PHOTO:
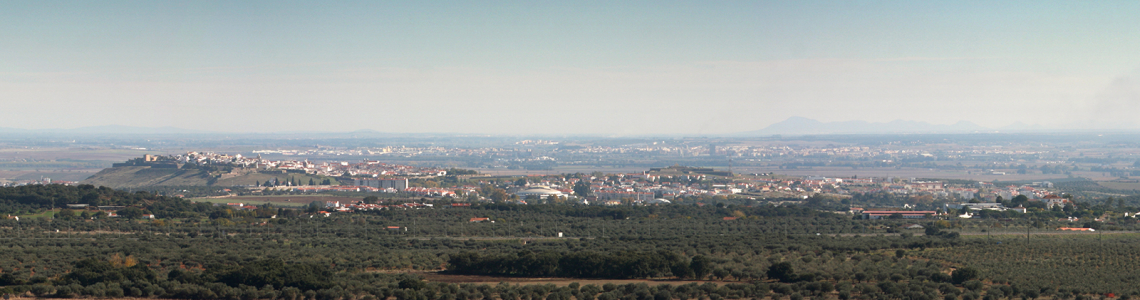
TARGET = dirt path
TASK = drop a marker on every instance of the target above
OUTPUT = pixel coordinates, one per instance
(493, 280)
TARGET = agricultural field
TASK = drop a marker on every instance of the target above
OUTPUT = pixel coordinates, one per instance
(559, 170)
(282, 201)
(903, 173)
(1116, 185)
(197, 250)
(60, 164)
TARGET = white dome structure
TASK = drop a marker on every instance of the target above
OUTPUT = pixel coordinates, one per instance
(539, 191)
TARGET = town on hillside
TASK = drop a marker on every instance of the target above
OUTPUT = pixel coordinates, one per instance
(881, 196)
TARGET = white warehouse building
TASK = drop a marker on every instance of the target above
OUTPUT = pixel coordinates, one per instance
(539, 191)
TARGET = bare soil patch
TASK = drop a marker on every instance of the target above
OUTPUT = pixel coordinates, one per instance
(492, 280)
(559, 170)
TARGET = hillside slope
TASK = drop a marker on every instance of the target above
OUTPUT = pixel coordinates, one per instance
(145, 176)
(134, 176)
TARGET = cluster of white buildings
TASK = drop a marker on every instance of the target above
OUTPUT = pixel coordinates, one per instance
(44, 180)
(936, 189)
(370, 168)
(635, 188)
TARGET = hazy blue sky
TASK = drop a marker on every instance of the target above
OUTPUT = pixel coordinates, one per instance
(566, 67)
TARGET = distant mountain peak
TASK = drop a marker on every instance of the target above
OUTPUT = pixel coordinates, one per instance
(806, 126)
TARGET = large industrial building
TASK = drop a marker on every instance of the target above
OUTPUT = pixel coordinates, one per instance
(539, 191)
(398, 184)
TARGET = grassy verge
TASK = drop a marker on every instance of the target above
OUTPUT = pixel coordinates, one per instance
(1056, 234)
(46, 214)
(249, 201)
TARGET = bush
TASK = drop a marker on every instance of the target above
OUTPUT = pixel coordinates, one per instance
(279, 275)
(92, 271)
(64, 292)
(964, 274)
(41, 290)
(782, 271)
(1032, 293)
(973, 285)
(940, 277)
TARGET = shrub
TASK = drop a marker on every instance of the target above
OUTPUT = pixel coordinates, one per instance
(964, 274)
(973, 285)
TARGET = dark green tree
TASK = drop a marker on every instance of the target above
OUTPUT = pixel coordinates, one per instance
(782, 271)
(130, 213)
(582, 188)
(964, 274)
(701, 266)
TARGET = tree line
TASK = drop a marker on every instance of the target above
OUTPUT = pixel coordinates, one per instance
(581, 264)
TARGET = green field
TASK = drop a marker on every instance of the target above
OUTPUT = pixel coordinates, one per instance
(248, 201)
(47, 214)
(281, 201)
(1119, 185)
(1057, 235)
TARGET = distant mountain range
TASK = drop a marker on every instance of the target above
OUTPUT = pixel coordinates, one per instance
(805, 126)
(791, 126)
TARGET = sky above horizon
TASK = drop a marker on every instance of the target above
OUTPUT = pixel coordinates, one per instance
(573, 67)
